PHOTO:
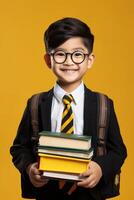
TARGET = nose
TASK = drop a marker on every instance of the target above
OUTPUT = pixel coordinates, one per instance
(68, 60)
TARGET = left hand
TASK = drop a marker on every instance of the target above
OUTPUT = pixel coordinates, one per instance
(92, 176)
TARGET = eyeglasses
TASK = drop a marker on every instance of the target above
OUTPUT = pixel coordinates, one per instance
(77, 56)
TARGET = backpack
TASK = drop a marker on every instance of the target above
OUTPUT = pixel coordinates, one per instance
(112, 188)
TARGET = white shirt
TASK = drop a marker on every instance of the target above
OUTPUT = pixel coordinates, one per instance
(77, 108)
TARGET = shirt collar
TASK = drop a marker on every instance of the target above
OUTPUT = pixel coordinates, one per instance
(59, 92)
(77, 93)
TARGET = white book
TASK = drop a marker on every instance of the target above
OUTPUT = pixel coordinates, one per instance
(62, 140)
(64, 176)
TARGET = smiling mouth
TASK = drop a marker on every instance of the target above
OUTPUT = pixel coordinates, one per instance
(69, 70)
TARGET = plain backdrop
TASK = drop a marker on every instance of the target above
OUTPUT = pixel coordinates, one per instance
(23, 71)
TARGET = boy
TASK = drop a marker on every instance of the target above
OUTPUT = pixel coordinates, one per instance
(69, 46)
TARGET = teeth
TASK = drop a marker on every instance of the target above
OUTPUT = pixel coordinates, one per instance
(69, 69)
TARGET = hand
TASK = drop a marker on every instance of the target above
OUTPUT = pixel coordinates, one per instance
(35, 175)
(92, 175)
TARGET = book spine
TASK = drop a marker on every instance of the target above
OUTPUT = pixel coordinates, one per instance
(64, 135)
(63, 149)
(57, 163)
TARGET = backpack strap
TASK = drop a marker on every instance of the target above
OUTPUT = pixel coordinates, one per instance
(34, 116)
(103, 121)
(112, 188)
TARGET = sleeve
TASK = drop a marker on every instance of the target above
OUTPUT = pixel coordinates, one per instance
(116, 150)
(22, 149)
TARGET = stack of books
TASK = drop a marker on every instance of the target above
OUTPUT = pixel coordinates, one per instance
(64, 156)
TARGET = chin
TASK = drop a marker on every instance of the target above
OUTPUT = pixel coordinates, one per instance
(69, 82)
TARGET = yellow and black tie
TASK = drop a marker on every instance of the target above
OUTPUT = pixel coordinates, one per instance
(67, 116)
(67, 123)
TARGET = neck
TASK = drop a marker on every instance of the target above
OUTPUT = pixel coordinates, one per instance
(69, 87)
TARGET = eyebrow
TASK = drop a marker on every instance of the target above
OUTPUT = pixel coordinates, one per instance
(77, 48)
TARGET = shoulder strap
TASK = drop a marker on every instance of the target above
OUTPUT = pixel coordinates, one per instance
(34, 115)
(34, 106)
(103, 120)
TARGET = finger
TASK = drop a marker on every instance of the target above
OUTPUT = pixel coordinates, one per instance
(44, 179)
(34, 169)
(35, 165)
(89, 164)
(38, 181)
(37, 177)
(85, 182)
(40, 178)
(91, 184)
(86, 173)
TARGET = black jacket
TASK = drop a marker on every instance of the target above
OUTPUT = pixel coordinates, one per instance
(23, 155)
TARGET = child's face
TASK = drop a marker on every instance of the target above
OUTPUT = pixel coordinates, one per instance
(69, 69)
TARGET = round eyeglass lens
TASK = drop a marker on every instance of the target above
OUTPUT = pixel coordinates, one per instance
(78, 57)
(60, 56)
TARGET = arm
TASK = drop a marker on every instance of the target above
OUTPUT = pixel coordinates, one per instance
(108, 165)
(116, 150)
(22, 149)
(23, 154)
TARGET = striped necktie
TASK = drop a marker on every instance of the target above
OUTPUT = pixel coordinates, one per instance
(66, 123)
(67, 116)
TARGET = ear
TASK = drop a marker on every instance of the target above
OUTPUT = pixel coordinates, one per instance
(47, 60)
(91, 59)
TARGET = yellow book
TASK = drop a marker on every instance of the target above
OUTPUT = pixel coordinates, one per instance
(55, 163)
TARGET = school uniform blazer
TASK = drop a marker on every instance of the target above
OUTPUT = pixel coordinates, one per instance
(22, 149)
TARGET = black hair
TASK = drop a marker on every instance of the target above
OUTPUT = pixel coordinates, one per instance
(66, 28)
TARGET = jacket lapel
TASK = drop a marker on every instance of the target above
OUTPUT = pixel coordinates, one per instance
(90, 113)
(45, 110)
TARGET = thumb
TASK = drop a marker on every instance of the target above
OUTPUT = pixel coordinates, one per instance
(34, 168)
(35, 165)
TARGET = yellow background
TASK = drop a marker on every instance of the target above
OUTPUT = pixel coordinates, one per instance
(23, 72)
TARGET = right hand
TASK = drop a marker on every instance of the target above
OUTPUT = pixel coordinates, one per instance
(35, 175)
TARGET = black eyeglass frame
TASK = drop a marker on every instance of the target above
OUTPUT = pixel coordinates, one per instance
(71, 54)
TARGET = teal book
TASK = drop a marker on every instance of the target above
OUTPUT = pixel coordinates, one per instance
(75, 153)
(63, 140)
